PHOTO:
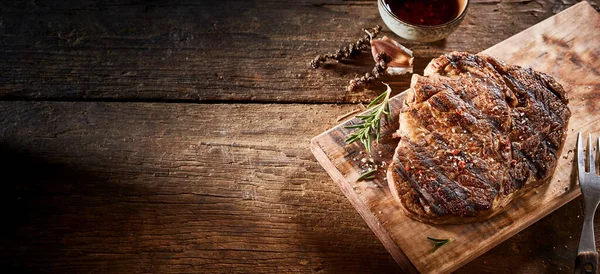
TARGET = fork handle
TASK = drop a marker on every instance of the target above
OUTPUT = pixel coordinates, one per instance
(586, 262)
(587, 256)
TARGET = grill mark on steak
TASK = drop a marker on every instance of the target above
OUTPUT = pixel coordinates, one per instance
(476, 172)
(473, 172)
(518, 89)
(475, 134)
(471, 117)
(552, 85)
(518, 154)
(422, 193)
(540, 102)
(439, 104)
(476, 112)
(449, 192)
(474, 65)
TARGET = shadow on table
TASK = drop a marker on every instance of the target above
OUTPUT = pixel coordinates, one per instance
(52, 211)
(547, 246)
(332, 233)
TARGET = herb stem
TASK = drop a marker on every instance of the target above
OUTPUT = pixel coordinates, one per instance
(367, 175)
(371, 122)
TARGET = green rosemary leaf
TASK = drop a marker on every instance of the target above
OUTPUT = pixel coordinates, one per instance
(376, 100)
(388, 112)
(367, 175)
(367, 143)
(437, 243)
(371, 122)
(353, 126)
(352, 138)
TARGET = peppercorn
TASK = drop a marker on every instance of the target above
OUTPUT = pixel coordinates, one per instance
(349, 51)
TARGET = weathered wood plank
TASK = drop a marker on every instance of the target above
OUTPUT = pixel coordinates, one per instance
(214, 50)
(122, 188)
(180, 188)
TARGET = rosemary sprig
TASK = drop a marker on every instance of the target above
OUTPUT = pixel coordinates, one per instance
(437, 243)
(372, 121)
(367, 175)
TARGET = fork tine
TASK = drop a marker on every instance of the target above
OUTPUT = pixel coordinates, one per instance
(580, 158)
(590, 153)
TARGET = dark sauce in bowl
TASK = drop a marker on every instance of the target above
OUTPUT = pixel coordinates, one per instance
(423, 12)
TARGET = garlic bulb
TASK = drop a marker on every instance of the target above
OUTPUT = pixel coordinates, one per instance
(401, 58)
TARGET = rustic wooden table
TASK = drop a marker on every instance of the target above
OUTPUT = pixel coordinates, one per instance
(172, 137)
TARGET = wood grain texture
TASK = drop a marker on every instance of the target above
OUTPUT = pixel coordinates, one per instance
(565, 46)
(170, 187)
(214, 50)
(138, 188)
(179, 188)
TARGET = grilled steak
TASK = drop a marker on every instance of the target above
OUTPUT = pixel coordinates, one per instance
(476, 134)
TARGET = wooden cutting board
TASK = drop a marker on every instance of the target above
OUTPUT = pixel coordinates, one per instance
(566, 46)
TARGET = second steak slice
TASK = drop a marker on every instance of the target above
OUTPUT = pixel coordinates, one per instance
(475, 133)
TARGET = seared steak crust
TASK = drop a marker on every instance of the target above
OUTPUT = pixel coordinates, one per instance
(475, 133)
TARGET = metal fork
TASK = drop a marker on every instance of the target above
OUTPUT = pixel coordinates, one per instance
(589, 182)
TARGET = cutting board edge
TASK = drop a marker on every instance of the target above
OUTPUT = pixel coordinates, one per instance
(511, 231)
(368, 217)
(579, 5)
